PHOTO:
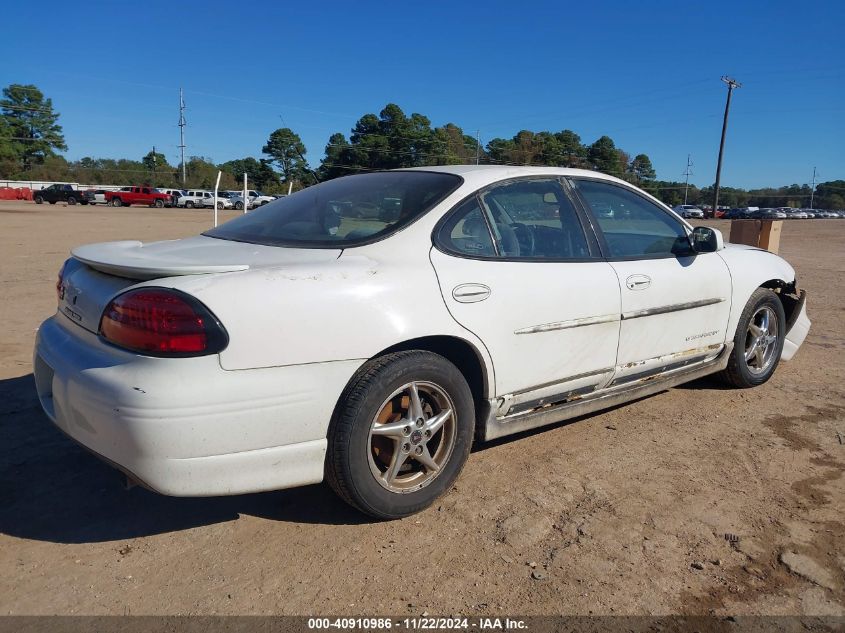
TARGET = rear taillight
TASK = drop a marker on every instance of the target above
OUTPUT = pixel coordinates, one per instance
(162, 322)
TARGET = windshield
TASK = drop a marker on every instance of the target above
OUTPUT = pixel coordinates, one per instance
(342, 212)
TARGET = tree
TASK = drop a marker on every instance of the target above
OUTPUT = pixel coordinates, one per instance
(602, 155)
(202, 174)
(337, 161)
(286, 149)
(157, 165)
(31, 125)
(260, 174)
(642, 168)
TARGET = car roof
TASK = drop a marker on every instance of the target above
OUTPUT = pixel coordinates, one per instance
(484, 174)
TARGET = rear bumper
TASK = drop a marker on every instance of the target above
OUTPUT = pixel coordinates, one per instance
(186, 427)
(798, 331)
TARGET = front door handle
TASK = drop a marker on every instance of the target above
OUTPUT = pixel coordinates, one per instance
(638, 282)
(470, 293)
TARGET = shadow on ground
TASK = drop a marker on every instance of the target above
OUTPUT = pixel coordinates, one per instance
(53, 490)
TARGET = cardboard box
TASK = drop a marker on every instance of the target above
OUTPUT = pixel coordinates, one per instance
(760, 233)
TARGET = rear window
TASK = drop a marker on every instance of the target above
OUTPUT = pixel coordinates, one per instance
(342, 212)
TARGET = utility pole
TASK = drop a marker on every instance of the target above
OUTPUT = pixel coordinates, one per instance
(731, 83)
(477, 145)
(154, 165)
(813, 190)
(687, 173)
(182, 125)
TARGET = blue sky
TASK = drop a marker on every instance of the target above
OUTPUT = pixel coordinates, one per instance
(644, 73)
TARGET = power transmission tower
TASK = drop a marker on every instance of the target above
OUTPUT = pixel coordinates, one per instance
(182, 125)
(813, 190)
(731, 83)
(687, 173)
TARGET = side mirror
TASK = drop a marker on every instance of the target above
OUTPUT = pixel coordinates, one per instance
(706, 240)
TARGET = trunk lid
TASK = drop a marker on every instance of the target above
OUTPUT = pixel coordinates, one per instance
(97, 272)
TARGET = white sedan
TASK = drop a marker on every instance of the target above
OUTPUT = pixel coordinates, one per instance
(368, 329)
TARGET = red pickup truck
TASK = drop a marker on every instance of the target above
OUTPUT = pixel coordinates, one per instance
(127, 196)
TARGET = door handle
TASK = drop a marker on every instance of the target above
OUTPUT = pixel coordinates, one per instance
(470, 293)
(638, 282)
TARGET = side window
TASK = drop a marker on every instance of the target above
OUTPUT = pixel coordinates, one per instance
(145, 190)
(466, 231)
(534, 219)
(632, 226)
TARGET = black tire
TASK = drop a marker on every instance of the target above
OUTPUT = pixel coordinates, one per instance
(39, 200)
(189, 204)
(740, 373)
(159, 204)
(239, 206)
(71, 200)
(220, 206)
(52, 201)
(116, 202)
(349, 460)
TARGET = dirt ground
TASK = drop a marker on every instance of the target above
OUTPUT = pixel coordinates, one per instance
(697, 500)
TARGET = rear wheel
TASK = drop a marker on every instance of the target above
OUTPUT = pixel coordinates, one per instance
(71, 200)
(39, 200)
(189, 204)
(400, 435)
(116, 202)
(239, 206)
(159, 203)
(758, 342)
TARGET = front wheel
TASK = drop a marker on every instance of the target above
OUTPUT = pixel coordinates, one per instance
(220, 205)
(758, 342)
(116, 202)
(71, 200)
(159, 204)
(400, 435)
(39, 200)
(189, 204)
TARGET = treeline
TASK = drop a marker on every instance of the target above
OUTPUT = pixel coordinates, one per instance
(30, 138)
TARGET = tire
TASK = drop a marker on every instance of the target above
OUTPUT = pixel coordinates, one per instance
(116, 202)
(763, 344)
(52, 201)
(362, 467)
(71, 200)
(39, 200)
(189, 204)
(159, 204)
(239, 206)
(220, 206)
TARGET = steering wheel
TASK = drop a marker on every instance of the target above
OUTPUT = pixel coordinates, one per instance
(525, 237)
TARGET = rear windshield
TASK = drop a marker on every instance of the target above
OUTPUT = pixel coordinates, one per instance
(342, 212)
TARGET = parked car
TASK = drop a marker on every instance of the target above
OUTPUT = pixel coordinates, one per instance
(95, 196)
(293, 343)
(127, 196)
(174, 195)
(258, 199)
(60, 193)
(201, 198)
(689, 211)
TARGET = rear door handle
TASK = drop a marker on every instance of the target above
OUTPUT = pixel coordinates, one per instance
(638, 282)
(470, 293)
